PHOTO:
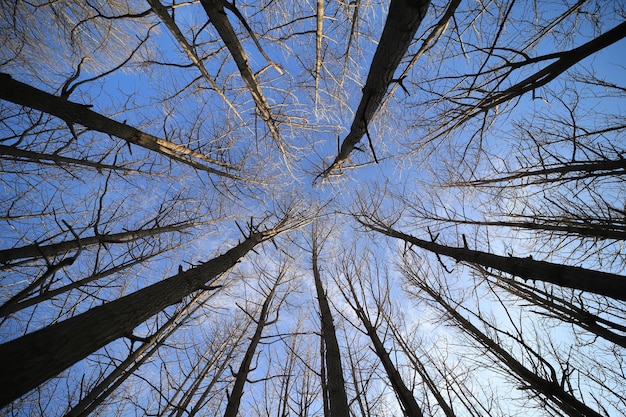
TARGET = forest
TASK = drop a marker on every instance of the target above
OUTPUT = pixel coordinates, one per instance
(313, 208)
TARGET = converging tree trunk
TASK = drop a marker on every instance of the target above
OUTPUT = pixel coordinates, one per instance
(564, 310)
(32, 359)
(410, 408)
(550, 389)
(70, 112)
(35, 250)
(234, 399)
(217, 15)
(99, 393)
(598, 282)
(403, 19)
(335, 382)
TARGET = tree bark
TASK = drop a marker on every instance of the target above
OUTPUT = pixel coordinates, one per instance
(404, 394)
(34, 358)
(232, 408)
(25, 95)
(597, 282)
(161, 11)
(565, 60)
(564, 310)
(35, 251)
(403, 19)
(585, 169)
(551, 390)
(338, 400)
(135, 359)
(23, 155)
(219, 19)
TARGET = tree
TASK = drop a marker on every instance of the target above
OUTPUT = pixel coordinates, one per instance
(46, 352)
(25, 95)
(334, 382)
(552, 389)
(403, 19)
(466, 260)
(241, 376)
(598, 282)
(404, 394)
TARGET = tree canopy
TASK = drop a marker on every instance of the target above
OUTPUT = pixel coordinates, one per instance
(316, 208)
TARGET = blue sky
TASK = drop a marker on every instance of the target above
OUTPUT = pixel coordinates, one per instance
(162, 100)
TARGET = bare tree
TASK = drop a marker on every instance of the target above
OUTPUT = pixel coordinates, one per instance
(403, 19)
(241, 376)
(335, 382)
(44, 353)
(25, 95)
(598, 282)
(139, 139)
(405, 396)
(552, 389)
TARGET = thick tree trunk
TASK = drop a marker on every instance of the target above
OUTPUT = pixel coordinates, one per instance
(115, 378)
(337, 398)
(403, 19)
(34, 358)
(25, 95)
(603, 283)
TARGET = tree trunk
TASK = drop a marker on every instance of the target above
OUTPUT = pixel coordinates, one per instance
(22, 155)
(8, 307)
(34, 358)
(404, 394)
(565, 311)
(603, 283)
(219, 19)
(232, 408)
(25, 95)
(548, 389)
(36, 251)
(125, 369)
(403, 19)
(565, 61)
(338, 400)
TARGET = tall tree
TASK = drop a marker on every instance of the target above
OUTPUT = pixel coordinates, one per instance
(335, 382)
(136, 136)
(405, 396)
(403, 19)
(40, 355)
(241, 376)
(552, 389)
(598, 282)
(70, 112)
